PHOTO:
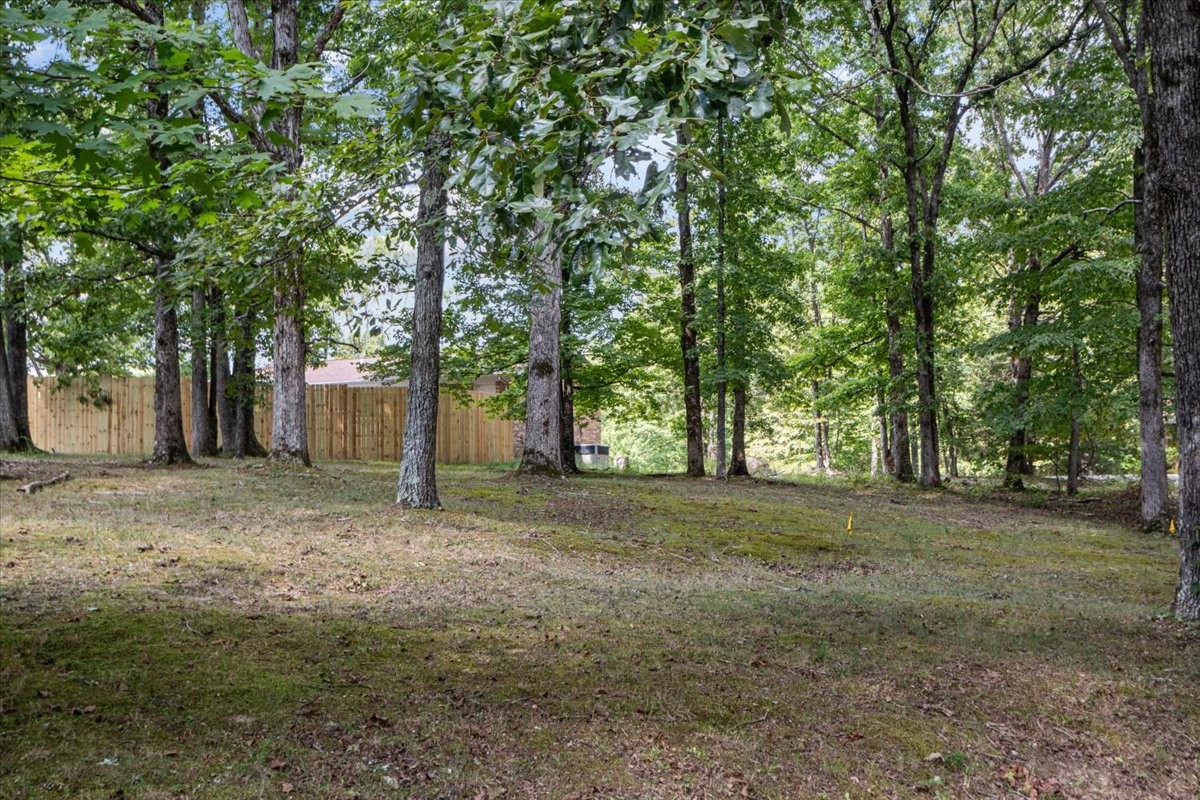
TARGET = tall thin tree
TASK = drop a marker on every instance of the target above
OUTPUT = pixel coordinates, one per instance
(417, 486)
(687, 316)
(1173, 30)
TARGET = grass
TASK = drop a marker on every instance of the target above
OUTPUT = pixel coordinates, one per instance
(248, 631)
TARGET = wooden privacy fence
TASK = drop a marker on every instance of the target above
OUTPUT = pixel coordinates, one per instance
(344, 422)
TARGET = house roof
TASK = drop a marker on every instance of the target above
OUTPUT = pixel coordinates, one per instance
(342, 371)
(353, 372)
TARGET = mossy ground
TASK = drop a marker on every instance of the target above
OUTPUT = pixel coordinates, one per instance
(247, 631)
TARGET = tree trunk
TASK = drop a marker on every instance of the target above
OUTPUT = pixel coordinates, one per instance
(951, 449)
(245, 440)
(737, 464)
(169, 444)
(1074, 459)
(10, 441)
(204, 417)
(687, 317)
(170, 447)
(722, 384)
(1021, 369)
(821, 431)
(16, 338)
(289, 428)
(902, 463)
(567, 389)
(822, 451)
(1015, 465)
(220, 379)
(926, 377)
(1151, 428)
(922, 200)
(885, 445)
(567, 425)
(417, 486)
(543, 388)
(1174, 35)
(1130, 46)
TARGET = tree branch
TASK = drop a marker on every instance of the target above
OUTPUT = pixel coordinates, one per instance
(331, 26)
(235, 117)
(135, 8)
(148, 249)
(239, 26)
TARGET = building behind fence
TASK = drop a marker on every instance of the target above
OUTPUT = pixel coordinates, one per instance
(344, 422)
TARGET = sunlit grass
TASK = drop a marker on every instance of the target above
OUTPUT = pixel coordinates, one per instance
(251, 631)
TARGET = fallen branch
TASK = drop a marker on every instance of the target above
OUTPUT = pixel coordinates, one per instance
(34, 486)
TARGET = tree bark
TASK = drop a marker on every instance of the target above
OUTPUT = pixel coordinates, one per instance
(885, 444)
(16, 341)
(1021, 368)
(245, 440)
(737, 464)
(221, 384)
(1130, 47)
(820, 431)
(951, 443)
(1074, 460)
(289, 427)
(17, 338)
(737, 450)
(170, 446)
(722, 384)
(567, 425)
(821, 450)
(902, 464)
(417, 485)
(10, 441)
(687, 317)
(543, 388)
(926, 378)
(567, 389)
(1173, 28)
(1151, 427)
(204, 414)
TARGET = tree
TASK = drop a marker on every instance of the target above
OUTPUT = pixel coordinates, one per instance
(15, 434)
(279, 136)
(1173, 33)
(687, 317)
(1127, 34)
(912, 56)
(417, 483)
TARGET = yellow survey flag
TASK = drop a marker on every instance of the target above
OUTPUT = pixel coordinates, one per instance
(850, 525)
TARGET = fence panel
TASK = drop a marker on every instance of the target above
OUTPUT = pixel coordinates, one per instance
(352, 423)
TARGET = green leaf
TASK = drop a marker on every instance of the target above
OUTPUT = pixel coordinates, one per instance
(355, 105)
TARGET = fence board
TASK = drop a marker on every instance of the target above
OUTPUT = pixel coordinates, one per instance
(351, 423)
